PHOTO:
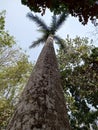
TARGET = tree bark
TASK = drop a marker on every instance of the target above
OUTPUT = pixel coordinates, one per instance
(42, 104)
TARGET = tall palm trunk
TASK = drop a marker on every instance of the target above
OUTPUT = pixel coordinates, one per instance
(42, 105)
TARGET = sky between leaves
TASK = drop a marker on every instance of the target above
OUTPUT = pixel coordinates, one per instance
(25, 31)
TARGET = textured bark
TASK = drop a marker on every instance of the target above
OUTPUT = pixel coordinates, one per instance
(42, 104)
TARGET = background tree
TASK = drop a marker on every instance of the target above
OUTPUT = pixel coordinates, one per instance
(79, 69)
(14, 72)
(84, 10)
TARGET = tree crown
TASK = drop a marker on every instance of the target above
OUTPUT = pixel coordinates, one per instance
(47, 30)
(83, 9)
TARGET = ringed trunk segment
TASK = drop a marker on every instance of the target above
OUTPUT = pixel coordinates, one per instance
(42, 105)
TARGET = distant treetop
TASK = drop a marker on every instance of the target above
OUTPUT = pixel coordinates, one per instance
(83, 9)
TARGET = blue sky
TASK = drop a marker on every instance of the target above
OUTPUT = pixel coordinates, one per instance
(25, 32)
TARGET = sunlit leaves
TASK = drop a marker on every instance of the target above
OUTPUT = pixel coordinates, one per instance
(79, 70)
(14, 72)
(74, 51)
(5, 38)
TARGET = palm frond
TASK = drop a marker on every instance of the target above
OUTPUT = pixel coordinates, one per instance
(42, 31)
(38, 21)
(37, 42)
(53, 24)
(59, 41)
(46, 31)
(61, 20)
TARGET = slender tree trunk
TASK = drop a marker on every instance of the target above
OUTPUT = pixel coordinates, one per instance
(42, 104)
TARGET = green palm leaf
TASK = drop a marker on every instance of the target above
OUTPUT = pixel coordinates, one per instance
(53, 25)
(59, 41)
(46, 31)
(61, 20)
(38, 21)
(37, 42)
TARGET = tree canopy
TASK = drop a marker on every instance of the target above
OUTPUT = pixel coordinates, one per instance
(79, 72)
(83, 9)
(48, 30)
(14, 72)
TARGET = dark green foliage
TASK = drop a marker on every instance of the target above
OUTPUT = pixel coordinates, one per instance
(83, 9)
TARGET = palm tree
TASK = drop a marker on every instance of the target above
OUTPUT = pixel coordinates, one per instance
(42, 104)
(47, 31)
